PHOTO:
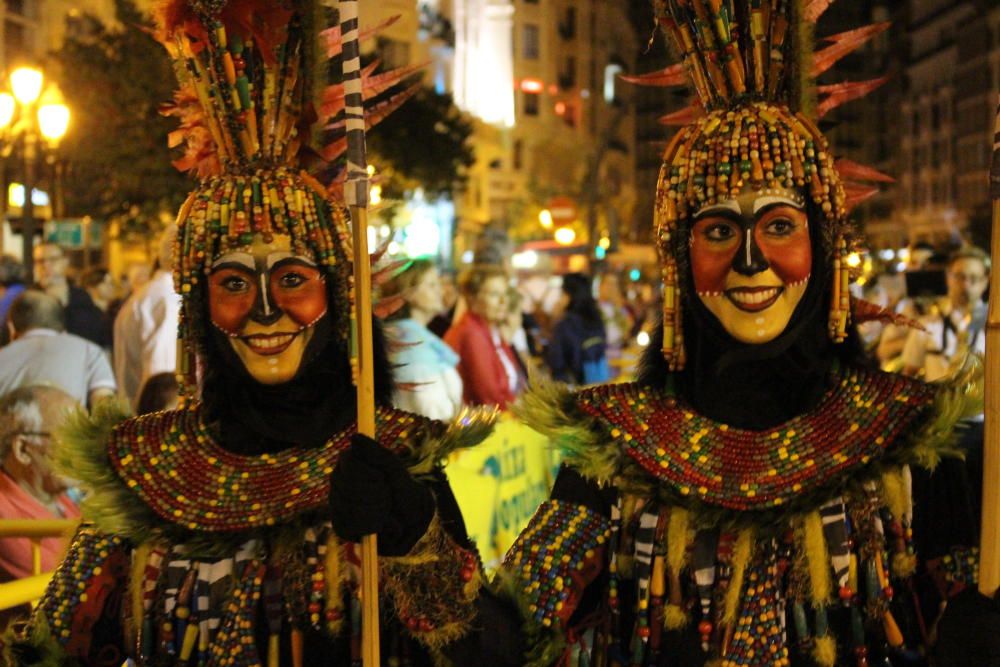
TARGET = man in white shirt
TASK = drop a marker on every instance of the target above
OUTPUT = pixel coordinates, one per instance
(957, 321)
(146, 328)
(41, 352)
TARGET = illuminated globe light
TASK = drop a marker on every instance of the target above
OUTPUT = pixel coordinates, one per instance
(600, 252)
(422, 237)
(372, 239)
(634, 275)
(642, 339)
(565, 236)
(605, 242)
(854, 260)
(468, 256)
(524, 260)
(375, 195)
(53, 121)
(545, 218)
(15, 196)
(26, 82)
(7, 107)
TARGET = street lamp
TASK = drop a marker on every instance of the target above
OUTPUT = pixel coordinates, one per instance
(31, 115)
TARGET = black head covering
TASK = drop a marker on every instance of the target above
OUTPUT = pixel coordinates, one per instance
(253, 418)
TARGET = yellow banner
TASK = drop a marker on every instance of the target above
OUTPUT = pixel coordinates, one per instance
(500, 483)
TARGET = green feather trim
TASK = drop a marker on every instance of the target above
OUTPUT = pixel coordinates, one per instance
(960, 396)
(544, 645)
(113, 508)
(550, 408)
(36, 648)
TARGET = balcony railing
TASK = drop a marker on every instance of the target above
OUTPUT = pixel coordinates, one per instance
(29, 589)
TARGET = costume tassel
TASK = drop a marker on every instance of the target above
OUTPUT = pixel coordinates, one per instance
(817, 558)
(741, 557)
(825, 651)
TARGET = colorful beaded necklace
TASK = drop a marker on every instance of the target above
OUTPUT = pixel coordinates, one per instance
(859, 418)
(172, 462)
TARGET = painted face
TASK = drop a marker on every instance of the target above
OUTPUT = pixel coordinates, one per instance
(751, 259)
(267, 300)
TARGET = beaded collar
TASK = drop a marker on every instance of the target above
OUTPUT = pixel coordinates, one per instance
(171, 462)
(857, 421)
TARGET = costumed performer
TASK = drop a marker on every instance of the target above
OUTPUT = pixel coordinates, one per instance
(747, 500)
(221, 533)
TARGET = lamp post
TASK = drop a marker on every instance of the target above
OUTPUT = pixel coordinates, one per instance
(35, 115)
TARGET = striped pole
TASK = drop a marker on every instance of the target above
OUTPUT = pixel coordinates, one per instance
(989, 546)
(356, 195)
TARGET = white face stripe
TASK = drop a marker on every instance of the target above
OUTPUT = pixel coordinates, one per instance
(263, 294)
(768, 200)
(275, 257)
(748, 246)
(728, 205)
(242, 258)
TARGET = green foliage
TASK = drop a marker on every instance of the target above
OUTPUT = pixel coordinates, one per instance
(425, 144)
(114, 78)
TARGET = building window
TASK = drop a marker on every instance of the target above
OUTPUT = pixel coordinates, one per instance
(611, 72)
(567, 25)
(518, 150)
(531, 104)
(567, 75)
(529, 49)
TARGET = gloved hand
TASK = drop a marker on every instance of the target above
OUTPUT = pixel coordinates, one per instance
(371, 491)
(969, 632)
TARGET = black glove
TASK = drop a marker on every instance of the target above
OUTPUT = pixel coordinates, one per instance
(371, 491)
(969, 632)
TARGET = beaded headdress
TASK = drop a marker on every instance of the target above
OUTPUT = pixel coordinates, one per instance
(256, 107)
(754, 124)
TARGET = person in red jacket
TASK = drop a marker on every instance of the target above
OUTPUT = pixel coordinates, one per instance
(490, 372)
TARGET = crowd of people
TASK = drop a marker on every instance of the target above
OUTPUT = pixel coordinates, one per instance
(70, 340)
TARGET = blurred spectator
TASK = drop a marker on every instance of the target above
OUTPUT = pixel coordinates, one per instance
(423, 365)
(29, 487)
(12, 278)
(159, 392)
(41, 352)
(145, 330)
(576, 350)
(441, 321)
(490, 373)
(100, 286)
(81, 316)
(513, 331)
(616, 317)
(136, 276)
(957, 322)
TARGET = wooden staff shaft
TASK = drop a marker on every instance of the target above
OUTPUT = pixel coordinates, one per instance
(366, 426)
(356, 194)
(989, 546)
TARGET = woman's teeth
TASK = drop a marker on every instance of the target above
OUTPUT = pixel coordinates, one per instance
(270, 342)
(755, 297)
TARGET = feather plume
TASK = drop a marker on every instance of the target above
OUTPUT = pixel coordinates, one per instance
(865, 311)
(813, 9)
(332, 38)
(857, 193)
(849, 169)
(685, 116)
(667, 77)
(843, 44)
(841, 93)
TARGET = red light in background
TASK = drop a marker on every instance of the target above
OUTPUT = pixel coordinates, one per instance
(560, 108)
(532, 85)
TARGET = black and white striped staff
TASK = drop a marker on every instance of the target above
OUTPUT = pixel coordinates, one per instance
(356, 196)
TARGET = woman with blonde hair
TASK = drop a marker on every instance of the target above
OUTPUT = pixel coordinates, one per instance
(427, 381)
